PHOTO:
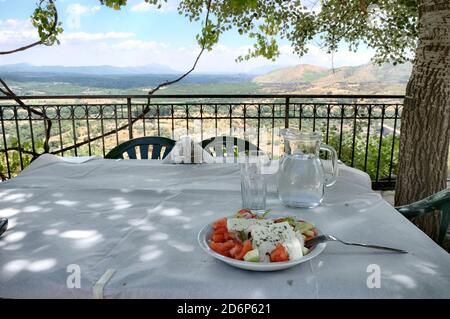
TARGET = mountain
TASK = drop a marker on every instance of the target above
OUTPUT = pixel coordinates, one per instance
(298, 73)
(94, 70)
(363, 79)
(266, 69)
(369, 73)
(366, 73)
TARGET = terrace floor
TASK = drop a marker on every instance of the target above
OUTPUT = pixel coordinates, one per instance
(387, 196)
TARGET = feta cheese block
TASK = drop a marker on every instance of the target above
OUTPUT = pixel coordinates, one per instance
(266, 237)
(299, 236)
(243, 224)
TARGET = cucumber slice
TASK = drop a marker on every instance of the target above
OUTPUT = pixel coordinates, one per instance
(305, 251)
(252, 256)
(304, 227)
(309, 233)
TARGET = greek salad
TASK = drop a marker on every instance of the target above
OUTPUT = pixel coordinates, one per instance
(256, 238)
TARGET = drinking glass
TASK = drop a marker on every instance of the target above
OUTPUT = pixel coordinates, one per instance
(253, 183)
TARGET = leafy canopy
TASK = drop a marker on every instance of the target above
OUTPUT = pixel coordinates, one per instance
(388, 26)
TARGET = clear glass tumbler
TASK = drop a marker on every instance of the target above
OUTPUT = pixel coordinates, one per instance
(253, 183)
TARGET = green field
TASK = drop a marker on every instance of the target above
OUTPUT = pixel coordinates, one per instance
(46, 88)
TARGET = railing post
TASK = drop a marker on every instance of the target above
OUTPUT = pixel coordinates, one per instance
(130, 121)
(286, 113)
(2, 176)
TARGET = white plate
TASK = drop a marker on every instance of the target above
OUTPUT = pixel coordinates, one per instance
(207, 231)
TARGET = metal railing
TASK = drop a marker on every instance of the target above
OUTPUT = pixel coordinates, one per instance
(364, 129)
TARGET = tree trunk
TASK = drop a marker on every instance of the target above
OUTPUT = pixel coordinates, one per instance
(425, 129)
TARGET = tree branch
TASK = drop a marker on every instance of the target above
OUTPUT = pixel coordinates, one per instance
(42, 41)
(22, 48)
(8, 92)
(21, 150)
(71, 147)
(151, 92)
(202, 49)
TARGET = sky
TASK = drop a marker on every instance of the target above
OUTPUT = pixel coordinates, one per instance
(140, 34)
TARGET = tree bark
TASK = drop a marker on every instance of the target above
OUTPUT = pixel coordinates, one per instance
(425, 129)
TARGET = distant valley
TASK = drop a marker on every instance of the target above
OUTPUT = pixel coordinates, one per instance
(301, 79)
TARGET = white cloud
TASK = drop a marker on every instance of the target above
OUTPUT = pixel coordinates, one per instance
(134, 52)
(78, 9)
(85, 36)
(74, 13)
(17, 31)
(222, 58)
(126, 49)
(138, 45)
(318, 56)
(11, 23)
(143, 6)
(14, 32)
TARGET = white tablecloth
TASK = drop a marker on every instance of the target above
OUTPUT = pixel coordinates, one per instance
(141, 218)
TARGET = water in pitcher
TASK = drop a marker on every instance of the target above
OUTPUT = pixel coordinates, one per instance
(301, 182)
(301, 176)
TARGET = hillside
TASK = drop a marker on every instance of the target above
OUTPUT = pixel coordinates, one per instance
(298, 73)
(363, 79)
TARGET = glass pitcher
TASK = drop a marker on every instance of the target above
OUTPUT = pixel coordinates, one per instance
(301, 176)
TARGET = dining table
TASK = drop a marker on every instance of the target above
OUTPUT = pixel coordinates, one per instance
(89, 227)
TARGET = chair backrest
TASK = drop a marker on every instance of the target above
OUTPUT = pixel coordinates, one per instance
(142, 144)
(227, 146)
(437, 202)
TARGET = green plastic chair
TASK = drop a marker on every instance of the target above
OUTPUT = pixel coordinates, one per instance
(439, 201)
(227, 146)
(143, 144)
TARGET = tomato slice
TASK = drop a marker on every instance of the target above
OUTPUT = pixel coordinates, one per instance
(221, 230)
(220, 223)
(279, 254)
(245, 249)
(247, 213)
(236, 250)
(222, 248)
(218, 238)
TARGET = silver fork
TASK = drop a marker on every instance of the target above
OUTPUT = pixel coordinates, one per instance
(323, 238)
